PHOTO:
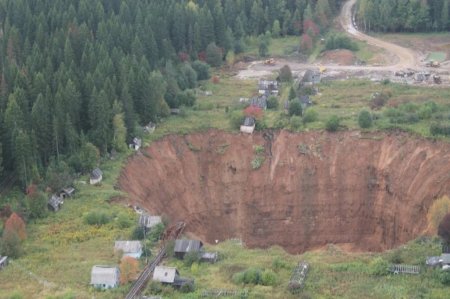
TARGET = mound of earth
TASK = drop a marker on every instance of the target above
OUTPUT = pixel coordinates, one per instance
(369, 193)
(339, 57)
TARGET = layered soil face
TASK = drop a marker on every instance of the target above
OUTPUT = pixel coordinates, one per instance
(369, 193)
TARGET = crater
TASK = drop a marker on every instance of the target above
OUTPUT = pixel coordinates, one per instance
(367, 192)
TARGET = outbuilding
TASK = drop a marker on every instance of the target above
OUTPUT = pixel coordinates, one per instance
(182, 247)
(129, 248)
(105, 277)
(147, 221)
(55, 203)
(3, 261)
(96, 176)
(167, 275)
(248, 126)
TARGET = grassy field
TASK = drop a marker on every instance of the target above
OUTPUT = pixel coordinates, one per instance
(61, 249)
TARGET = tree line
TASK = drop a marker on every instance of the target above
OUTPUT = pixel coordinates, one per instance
(78, 77)
(403, 15)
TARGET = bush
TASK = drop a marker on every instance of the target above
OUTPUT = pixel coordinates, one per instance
(186, 98)
(123, 221)
(156, 232)
(365, 119)
(292, 94)
(191, 258)
(138, 233)
(378, 100)
(340, 41)
(37, 205)
(272, 103)
(285, 74)
(378, 267)
(257, 162)
(236, 119)
(444, 229)
(437, 212)
(97, 218)
(202, 69)
(295, 108)
(187, 288)
(269, 278)
(444, 277)
(310, 116)
(332, 124)
(259, 149)
(440, 129)
(296, 122)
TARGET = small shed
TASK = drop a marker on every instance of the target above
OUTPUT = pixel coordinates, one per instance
(433, 261)
(268, 87)
(136, 143)
(3, 261)
(248, 126)
(311, 77)
(186, 246)
(96, 176)
(167, 275)
(105, 277)
(150, 128)
(260, 102)
(55, 203)
(67, 192)
(209, 257)
(148, 221)
(445, 259)
(129, 248)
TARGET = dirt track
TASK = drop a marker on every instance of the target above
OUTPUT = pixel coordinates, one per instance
(405, 58)
(367, 193)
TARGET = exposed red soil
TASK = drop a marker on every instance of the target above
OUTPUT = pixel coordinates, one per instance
(368, 193)
(339, 57)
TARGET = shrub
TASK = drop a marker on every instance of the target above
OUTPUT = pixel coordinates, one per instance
(285, 74)
(340, 41)
(186, 98)
(365, 119)
(332, 124)
(378, 100)
(202, 69)
(187, 288)
(155, 287)
(295, 108)
(236, 119)
(444, 277)
(129, 268)
(378, 267)
(123, 221)
(11, 244)
(296, 122)
(292, 94)
(440, 129)
(257, 162)
(258, 149)
(310, 116)
(191, 258)
(279, 263)
(138, 233)
(272, 103)
(269, 278)
(97, 218)
(37, 205)
(156, 232)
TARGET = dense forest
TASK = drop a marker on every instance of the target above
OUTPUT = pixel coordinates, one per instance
(403, 15)
(79, 76)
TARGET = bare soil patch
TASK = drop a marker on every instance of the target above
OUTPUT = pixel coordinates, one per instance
(339, 57)
(370, 192)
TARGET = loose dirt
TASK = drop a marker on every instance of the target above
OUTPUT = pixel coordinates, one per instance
(367, 193)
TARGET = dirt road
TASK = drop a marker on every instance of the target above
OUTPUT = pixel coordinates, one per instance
(405, 58)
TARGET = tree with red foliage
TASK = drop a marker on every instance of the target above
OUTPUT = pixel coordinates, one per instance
(306, 43)
(16, 224)
(253, 111)
(183, 56)
(13, 235)
(444, 229)
(129, 268)
(310, 28)
(202, 56)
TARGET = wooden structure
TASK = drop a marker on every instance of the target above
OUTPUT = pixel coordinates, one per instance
(182, 247)
(404, 269)
(298, 277)
(105, 277)
(216, 293)
(248, 126)
(3, 262)
(170, 234)
(96, 176)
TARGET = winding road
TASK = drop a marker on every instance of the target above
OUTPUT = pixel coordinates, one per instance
(405, 58)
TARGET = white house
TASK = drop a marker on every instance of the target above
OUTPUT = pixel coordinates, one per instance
(248, 126)
(148, 221)
(165, 274)
(105, 277)
(129, 248)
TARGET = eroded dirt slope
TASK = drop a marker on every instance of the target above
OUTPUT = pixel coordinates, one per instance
(367, 193)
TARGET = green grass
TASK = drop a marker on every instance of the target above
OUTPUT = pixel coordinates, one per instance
(278, 47)
(62, 248)
(437, 56)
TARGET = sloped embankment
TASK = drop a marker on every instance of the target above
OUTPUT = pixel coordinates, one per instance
(367, 193)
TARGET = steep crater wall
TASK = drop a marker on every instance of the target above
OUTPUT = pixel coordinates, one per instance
(369, 193)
